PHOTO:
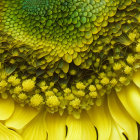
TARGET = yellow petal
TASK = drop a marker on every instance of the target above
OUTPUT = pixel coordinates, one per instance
(100, 118)
(136, 78)
(21, 117)
(116, 132)
(80, 129)
(56, 126)
(122, 118)
(6, 108)
(6, 134)
(36, 129)
(130, 98)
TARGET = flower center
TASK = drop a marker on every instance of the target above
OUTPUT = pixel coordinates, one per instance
(67, 54)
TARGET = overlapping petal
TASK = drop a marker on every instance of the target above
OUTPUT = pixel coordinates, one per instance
(7, 134)
(130, 98)
(100, 118)
(116, 132)
(123, 121)
(21, 117)
(6, 108)
(56, 126)
(36, 129)
(80, 129)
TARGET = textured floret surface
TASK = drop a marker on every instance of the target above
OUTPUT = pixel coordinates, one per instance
(67, 54)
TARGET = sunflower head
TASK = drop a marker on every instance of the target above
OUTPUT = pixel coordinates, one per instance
(67, 54)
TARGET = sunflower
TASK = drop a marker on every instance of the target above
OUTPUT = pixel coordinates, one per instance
(69, 69)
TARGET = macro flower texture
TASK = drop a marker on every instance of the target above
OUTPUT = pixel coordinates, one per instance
(69, 69)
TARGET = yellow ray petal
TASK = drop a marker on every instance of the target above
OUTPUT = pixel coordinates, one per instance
(80, 129)
(136, 78)
(6, 134)
(21, 117)
(56, 126)
(6, 108)
(130, 98)
(100, 118)
(122, 118)
(116, 132)
(36, 129)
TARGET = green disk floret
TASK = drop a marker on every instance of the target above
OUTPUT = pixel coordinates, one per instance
(62, 31)
(67, 55)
